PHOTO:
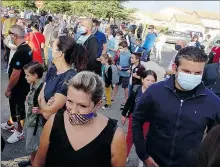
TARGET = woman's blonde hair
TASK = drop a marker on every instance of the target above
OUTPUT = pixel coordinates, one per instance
(90, 83)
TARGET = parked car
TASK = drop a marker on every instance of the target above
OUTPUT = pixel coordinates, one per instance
(173, 36)
(192, 33)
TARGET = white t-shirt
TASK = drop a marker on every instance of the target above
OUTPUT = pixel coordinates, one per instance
(132, 68)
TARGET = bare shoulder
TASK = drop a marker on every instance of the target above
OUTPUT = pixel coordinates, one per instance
(119, 134)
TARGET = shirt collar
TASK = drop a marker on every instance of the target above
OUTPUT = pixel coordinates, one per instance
(36, 85)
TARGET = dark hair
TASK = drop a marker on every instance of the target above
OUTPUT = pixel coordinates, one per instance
(123, 44)
(145, 73)
(119, 32)
(195, 36)
(36, 26)
(139, 40)
(96, 22)
(50, 19)
(192, 54)
(208, 153)
(108, 58)
(137, 56)
(73, 53)
(151, 26)
(34, 68)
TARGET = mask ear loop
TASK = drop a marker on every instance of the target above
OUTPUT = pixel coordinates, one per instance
(95, 113)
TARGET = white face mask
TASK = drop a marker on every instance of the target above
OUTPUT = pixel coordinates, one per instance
(118, 37)
(188, 81)
(11, 15)
(82, 30)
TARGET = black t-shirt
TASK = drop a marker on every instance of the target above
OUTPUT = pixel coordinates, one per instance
(183, 95)
(22, 56)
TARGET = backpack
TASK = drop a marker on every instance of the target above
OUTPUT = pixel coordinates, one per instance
(35, 102)
(87, 41)
(115, 74)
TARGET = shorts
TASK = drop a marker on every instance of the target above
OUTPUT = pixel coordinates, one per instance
(17, 108)
(32, 142)
(123, 81)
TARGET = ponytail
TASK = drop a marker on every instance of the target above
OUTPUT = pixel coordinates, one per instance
(73, 53)
(80, 57)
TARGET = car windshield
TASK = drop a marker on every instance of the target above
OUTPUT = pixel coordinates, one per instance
(176, 33)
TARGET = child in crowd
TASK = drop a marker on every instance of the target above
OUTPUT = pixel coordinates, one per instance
(147, 78)
(106, 61)
(137, 47)
(33, 122)
(135, 71)
(123, 65)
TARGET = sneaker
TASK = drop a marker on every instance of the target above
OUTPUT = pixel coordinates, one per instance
(140, 163)
(106, 106)
(15, 137)
(5, 126)
(24, 163)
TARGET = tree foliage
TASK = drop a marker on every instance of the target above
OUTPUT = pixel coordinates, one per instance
(20, 5)
(101, 9)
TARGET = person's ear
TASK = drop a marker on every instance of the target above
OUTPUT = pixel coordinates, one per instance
(174, 67)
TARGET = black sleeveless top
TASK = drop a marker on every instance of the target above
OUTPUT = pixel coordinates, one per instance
(97, 153)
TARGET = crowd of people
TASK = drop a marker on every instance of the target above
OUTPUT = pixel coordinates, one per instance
(62, 72)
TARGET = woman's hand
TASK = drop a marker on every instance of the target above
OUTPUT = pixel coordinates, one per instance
(36, 110)
(123, 120)
(151, 162)
(50, 101)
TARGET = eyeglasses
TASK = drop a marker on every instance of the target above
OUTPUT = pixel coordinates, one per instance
(150, 28)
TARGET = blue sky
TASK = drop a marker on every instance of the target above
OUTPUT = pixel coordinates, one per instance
(153, 6)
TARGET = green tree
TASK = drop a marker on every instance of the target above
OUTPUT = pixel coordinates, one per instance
(57, 6)
(109, 9)
(21, 5)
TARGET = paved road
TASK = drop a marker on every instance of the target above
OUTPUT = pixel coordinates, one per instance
(14, 153)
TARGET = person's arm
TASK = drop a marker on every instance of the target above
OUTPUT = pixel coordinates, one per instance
(59, 101)
(42, 41)
(142, 113)
(45, 30)
(40, 158)
(16, 64)
(118, 149)
(104, 48)
(128, 103)
(92, 53)
(13, 79)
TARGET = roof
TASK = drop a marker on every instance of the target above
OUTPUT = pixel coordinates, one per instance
(159, 16)
(182, 10)
(188, 19)
(208, 15)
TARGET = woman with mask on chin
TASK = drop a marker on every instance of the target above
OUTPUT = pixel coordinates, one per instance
(65, 53)
(79, 136)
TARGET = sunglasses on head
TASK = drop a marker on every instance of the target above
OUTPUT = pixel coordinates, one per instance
(11, 33)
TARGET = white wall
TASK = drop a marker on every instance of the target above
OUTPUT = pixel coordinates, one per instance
(211, 23)
(187, 27)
